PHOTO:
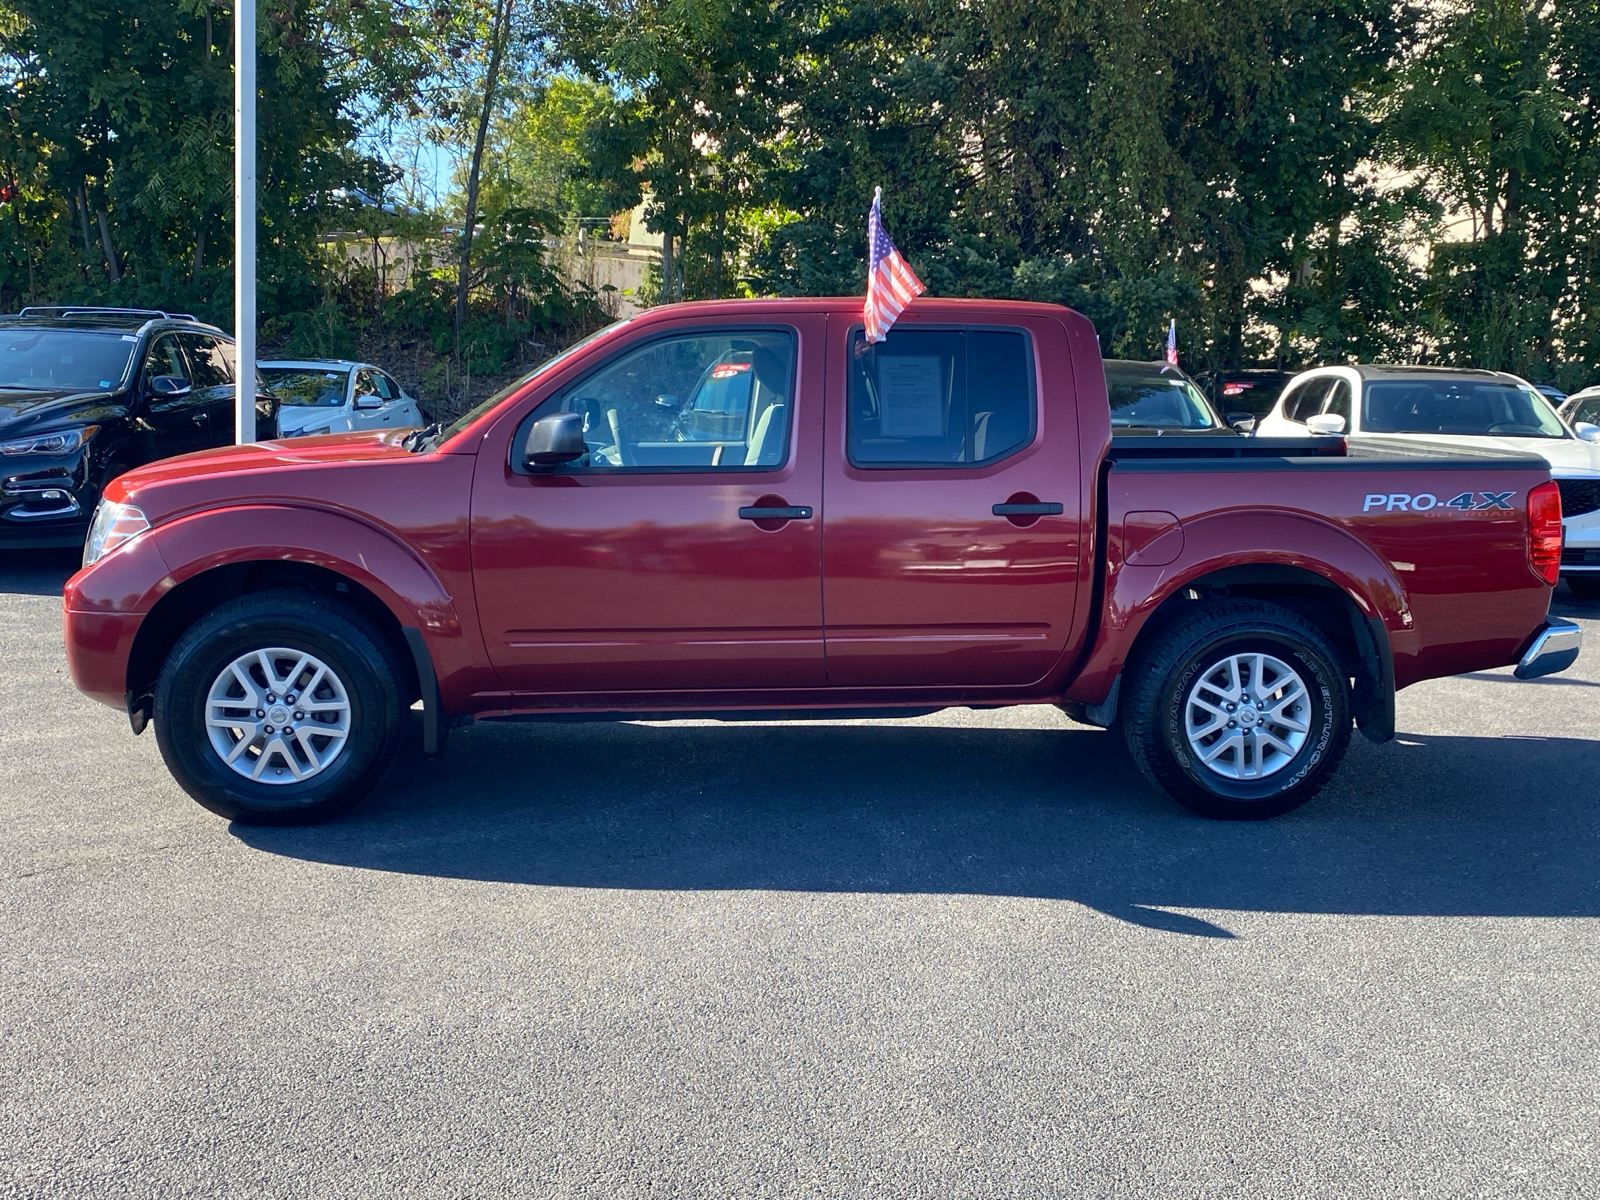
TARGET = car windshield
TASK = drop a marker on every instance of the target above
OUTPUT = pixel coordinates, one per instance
(63, 359)
(1459, 407)
(1149, 397)
(307, 387)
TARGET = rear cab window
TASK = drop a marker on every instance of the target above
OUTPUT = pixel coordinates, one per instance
(940, 397)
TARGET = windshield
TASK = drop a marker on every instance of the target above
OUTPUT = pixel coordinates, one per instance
(306, 387)
(473, 413)
(63, 360)
(1146, 397)
(1462, 407)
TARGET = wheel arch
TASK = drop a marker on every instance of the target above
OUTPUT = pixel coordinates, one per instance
(1312, 567)
(187, 602)
(1360, 638)
(217, 555)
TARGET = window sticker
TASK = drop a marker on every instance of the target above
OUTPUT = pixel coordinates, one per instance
(909, 390)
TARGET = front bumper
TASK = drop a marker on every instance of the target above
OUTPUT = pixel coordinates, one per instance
(44, 502)
(1554, 649)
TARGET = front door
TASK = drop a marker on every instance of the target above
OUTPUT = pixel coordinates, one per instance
(682, 552)
(953, 532)
(176, 424)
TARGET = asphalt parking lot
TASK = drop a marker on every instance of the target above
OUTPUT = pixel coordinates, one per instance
(971, 955)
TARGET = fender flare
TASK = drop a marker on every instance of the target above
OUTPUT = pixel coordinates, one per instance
(347, 545)
(1211, 544)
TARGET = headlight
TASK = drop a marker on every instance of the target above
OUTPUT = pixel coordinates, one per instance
(113, 524)
(61, 442)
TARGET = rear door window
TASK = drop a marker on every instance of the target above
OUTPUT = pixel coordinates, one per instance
(211, 368)
(940, 397)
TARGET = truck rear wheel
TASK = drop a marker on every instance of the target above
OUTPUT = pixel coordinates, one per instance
(279, 708)
(1239, 710)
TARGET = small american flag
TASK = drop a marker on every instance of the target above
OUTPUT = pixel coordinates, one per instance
(891, 283)
(1172, 342)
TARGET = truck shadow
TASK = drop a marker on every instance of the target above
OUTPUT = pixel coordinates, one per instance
(1423, 826)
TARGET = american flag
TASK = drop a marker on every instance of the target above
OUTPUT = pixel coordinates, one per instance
(891, 283)
(1172, 342)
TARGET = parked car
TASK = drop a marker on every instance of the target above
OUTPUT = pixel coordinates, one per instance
(1154, 399)
(1551, 393)
(1250, 389)
(849, 546)
(1438, 410)
(1581, 410)
(337, 396)
(1580, 559)
(88, 393)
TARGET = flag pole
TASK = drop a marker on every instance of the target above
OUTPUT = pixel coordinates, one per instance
(244, 218)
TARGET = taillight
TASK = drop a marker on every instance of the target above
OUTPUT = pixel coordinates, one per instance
(1544, 532)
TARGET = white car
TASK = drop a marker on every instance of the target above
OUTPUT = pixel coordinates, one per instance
(336, 396)
(1457, 411)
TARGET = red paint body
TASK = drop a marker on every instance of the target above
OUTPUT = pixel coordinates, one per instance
(646, 592)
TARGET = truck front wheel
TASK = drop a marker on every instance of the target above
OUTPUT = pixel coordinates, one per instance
(279, 708)
(1238, 710)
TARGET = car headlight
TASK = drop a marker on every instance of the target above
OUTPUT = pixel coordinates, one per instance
(63, 441)
(113, 524)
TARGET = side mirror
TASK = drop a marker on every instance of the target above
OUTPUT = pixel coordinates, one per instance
(168, 386)
(1325, 425)
(555, 439)
(667, 402)
(369, 400)
(1242, 422)
(1588, 431)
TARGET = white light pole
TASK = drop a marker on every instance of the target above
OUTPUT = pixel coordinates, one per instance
(244, 217)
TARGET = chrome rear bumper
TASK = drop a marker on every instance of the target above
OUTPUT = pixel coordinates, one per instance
(1555, 649)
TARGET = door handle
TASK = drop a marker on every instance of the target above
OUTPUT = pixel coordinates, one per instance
(1028, 510)
(797, 512)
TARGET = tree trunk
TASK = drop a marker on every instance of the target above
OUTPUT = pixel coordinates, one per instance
(27, 250)
(498, 33)
(666, 267)
(199, 254)
(722, 222)
(83, 216)
(113, 266)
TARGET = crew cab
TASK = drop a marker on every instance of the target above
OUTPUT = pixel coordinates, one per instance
(743, 509)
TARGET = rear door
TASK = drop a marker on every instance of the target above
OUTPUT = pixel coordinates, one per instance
(211, 376)
(952, 535)
(682, 553)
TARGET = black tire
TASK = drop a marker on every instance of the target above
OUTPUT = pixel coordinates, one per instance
(305, 621)
(1155, 696)
(1585, 587)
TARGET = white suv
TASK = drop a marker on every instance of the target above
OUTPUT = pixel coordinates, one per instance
(336, 396)
(1427, 411)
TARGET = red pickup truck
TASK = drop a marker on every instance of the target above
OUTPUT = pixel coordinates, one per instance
(742, 509)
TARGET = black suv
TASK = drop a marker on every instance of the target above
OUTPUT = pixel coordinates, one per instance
(88, 393)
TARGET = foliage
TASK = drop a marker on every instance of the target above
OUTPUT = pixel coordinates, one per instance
(1293, 180)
